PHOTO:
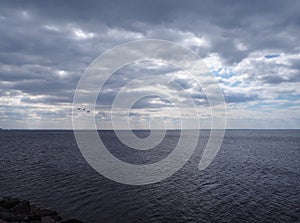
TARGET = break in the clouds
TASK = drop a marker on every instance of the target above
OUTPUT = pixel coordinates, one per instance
(252, 48)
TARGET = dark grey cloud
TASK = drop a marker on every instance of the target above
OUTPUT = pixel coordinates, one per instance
(46, 45)
(277, 79)
(240, 97)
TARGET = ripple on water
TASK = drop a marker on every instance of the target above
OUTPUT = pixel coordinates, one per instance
(254, 178)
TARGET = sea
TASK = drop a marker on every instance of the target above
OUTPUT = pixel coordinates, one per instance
(255, 177)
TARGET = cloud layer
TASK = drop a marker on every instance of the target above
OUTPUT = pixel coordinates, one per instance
(253, 49)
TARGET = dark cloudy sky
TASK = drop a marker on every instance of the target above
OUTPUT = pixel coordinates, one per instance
(252, 48)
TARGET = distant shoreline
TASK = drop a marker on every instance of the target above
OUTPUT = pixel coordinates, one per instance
(4, 129)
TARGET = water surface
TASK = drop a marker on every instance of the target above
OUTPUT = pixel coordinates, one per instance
(254, 178)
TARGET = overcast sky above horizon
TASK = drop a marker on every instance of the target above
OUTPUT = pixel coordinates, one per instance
(252, 48)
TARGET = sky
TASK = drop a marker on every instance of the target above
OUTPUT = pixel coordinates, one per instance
(251, 47)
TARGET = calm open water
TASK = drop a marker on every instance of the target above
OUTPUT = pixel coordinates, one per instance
(254, 178)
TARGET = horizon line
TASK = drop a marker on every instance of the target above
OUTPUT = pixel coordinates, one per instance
(69, 129)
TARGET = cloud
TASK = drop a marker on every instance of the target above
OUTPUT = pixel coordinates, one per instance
(239, 98)
(252, 48)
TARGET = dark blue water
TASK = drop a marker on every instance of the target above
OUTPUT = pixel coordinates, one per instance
(254, 178)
